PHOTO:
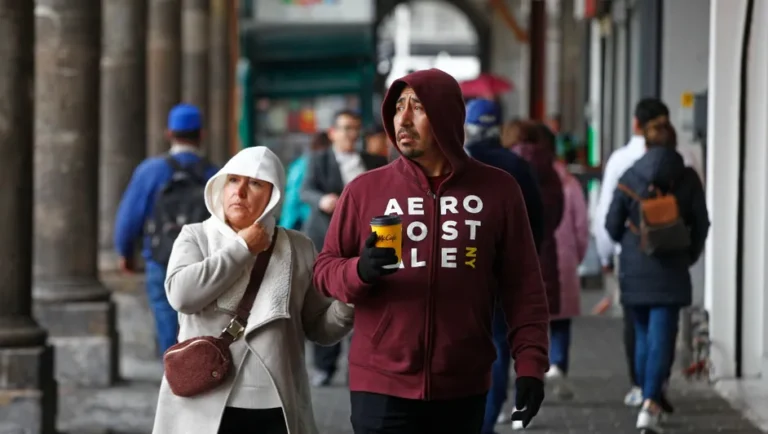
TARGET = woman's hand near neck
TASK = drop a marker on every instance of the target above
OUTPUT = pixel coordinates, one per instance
(256, 237)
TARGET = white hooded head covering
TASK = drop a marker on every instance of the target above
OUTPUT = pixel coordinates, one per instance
(259, 163)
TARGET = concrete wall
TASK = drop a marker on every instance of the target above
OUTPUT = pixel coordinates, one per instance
(726, 21)
(685, 54)
(755, 303)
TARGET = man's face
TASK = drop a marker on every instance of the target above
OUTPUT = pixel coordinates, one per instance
(412, 129)
(345, 132)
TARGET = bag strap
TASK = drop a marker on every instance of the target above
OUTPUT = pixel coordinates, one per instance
(175, 165)
(628, 191)
(196, 170)
(237, 326)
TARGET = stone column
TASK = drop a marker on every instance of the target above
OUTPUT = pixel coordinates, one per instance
(27, 388)
(71, 302)
(163, 69)
(220, 81)
(194, 55)
(123, 110)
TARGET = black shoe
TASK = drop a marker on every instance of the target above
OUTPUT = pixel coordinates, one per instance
(665, 405)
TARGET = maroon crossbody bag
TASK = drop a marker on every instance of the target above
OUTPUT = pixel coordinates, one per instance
(201, 364)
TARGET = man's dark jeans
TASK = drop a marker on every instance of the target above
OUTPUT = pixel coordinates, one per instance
(326, 358)
(499, 372)
(373, 413)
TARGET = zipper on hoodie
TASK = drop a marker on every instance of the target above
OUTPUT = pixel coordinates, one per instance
(430, 303)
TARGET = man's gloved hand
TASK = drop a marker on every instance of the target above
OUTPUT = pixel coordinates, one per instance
(373, 259)
(529, 396)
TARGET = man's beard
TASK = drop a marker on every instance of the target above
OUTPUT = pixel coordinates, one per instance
(411, 153)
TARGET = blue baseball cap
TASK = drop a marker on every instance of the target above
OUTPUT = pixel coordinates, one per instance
(185, 117)
(483, 113)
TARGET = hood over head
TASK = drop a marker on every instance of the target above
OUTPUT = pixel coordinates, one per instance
(258, 162)
(660, 166)
(443, 102)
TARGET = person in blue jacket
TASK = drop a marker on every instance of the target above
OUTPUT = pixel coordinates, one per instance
(483, 143)
(295, 212)
(185, 127)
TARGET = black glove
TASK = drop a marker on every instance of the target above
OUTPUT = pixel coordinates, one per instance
(529, 396)
(372, 259)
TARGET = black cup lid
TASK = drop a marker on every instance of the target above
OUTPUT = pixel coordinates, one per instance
(386, 220)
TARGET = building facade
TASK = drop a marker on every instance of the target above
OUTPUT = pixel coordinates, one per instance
(701, 57)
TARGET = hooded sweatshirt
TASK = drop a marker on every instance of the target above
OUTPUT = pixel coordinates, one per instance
(424, 332)
(657, 280)
(253, 387)
(258, 162)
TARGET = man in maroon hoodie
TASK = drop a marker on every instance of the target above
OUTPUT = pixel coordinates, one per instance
(421, 355)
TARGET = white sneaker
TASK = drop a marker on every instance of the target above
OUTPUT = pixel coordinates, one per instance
(553, 373)
(634, 397)
(503, 418)
(561, 387)
(517, 425)
(649, 419)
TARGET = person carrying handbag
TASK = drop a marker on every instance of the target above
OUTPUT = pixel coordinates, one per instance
(243, 290)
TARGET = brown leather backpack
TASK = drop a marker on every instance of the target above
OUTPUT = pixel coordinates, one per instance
(662, 229)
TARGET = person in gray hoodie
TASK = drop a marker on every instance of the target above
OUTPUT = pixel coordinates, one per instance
(656, 286)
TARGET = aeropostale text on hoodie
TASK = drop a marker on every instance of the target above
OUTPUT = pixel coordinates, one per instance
(424, 332)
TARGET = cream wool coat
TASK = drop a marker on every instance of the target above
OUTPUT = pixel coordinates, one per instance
(208, 271)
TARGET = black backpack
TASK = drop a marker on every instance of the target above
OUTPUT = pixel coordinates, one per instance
(179, 202)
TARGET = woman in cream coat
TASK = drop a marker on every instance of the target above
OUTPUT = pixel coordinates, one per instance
(268, 391)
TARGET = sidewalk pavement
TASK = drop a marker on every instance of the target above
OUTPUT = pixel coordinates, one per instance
(600, 382)
(598, 373)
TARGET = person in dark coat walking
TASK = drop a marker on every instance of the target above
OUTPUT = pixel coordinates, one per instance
(483, 143)
(655, 287)
(541, 158)
(328, 172)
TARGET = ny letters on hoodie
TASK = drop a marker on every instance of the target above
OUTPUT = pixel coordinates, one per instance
(424, 332)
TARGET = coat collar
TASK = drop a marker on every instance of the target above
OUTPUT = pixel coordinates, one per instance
(272, 300)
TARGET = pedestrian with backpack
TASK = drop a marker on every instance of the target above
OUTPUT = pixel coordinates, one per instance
(659, 216)
(164, 193)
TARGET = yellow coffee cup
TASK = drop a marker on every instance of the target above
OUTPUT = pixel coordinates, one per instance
(389, 233)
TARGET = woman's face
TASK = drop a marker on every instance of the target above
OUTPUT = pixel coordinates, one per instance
(245, 200)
